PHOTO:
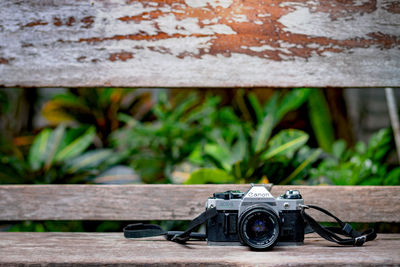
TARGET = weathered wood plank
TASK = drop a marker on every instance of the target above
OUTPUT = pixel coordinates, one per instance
(218, 43)
(179, 202)
(77, 249)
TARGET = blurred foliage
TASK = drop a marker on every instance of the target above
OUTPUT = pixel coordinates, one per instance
(17, 108)
(361, 165)
(201, 138)
(155, 148)
(245, 152)
(114, 135)
(47, 226)
(320, 119)
(83, 226)
(98, 107)
(56, 156)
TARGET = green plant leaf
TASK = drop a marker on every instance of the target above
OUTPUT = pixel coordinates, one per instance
(77, 146)
(371, 181)
(182, 108)
(263, 132)
(210, 176)
(338, 148)
(320, 119)
(13, 170)
(291, 101)
(255, 104)
(312, 158)
(53, 146)
(360, 147)
(37, 152)
(239, 149)
(379, 144)
(219, 153)
(272, 104)
(285, 143)
(127, 119)
(274, 111)
(393, 177)
(62, 107)
(90, 159)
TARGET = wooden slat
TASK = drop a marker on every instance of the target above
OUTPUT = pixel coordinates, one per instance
(82, 249)
(179, 202)
(105, 202)
(217, 43)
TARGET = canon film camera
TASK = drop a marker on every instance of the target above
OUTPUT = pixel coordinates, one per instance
(255, 218)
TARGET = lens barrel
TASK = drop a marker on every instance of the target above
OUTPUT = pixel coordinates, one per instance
(259, 227)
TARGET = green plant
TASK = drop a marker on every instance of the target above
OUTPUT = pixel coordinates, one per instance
(98, 107)
(155, 148)
(247, 152)
(56, 156)
(361, 165)
(321, 120)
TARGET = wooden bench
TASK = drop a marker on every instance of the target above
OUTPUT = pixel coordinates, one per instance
(178, 202)
(192, 43)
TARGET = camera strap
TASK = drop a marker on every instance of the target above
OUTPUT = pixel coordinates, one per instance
(139, 230)
(330, 232)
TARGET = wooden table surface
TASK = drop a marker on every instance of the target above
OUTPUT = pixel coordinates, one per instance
(72, 249)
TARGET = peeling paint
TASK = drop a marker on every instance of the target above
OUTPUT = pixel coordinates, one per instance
(81, 59)
(392, 7)
(122, 56)
(35, 23)
(6, 61)
(3, 60)
(87, 21)
(240, 18)
(194, 32)
(300, 20)
(212, 3)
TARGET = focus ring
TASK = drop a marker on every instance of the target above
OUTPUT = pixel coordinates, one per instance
(259, 227)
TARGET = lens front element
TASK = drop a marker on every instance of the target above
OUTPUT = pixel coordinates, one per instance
(259, 227)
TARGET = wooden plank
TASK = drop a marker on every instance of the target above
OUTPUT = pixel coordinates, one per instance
(77, 249)
(216, 43)
(351, 203)
(180, 202)
(105, 202)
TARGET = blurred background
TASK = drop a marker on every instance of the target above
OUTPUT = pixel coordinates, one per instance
(193, 136)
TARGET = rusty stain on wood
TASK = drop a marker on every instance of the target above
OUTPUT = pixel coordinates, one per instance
(281, 42)
(5, 60)
(88, 21)
(179, 202)
(70, 21)
(393, 7)
(80, 59)
(35, 23)
(112, 249)
(123, 56)
(259, 34)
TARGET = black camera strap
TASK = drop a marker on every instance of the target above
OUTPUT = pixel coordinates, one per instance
(139, 230)
(330, 232)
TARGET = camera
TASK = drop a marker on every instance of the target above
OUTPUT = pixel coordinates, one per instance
(255, 218)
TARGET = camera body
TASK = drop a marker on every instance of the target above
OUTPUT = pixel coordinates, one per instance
(255, 218)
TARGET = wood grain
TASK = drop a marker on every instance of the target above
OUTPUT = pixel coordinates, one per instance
(78, 249)
(179, 202)
(216, 43)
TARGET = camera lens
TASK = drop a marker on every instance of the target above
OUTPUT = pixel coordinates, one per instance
(259, 227)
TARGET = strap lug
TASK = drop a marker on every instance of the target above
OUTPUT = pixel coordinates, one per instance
(359, 241)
